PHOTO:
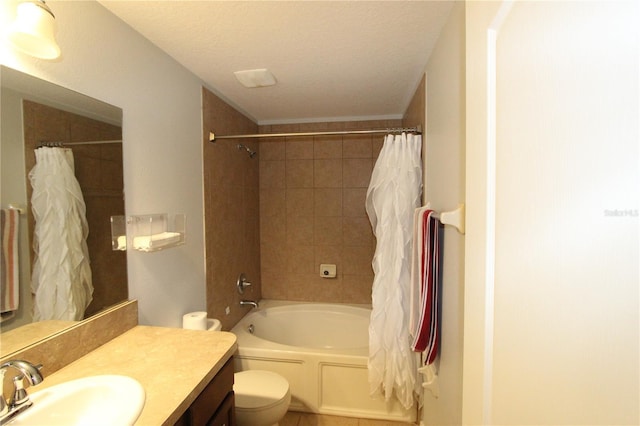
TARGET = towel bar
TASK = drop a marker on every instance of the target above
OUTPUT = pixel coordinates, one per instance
(454, 217)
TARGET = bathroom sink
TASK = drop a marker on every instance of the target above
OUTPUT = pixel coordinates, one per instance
(95, 400)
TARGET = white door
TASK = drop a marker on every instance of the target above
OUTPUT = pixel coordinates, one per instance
(553, 182)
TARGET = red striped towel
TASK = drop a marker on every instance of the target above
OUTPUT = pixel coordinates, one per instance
(427, 335)
(9, 253)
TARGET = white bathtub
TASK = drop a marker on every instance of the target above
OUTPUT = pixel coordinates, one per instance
(322, 350)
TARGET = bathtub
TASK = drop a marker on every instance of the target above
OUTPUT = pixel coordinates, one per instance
(322, 350)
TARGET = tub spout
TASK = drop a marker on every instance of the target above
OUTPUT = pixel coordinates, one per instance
(249, 302)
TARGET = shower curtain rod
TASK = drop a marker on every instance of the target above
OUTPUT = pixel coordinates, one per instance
(62, 144)
(418, 129)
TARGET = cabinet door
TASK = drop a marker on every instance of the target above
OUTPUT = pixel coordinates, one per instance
(211, 400)
(226, 414)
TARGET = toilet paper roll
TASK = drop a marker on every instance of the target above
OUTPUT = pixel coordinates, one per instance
(195, 321)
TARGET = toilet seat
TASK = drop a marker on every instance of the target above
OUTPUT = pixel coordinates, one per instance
(259, 390)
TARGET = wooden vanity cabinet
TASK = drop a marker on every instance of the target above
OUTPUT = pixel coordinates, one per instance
(215, 406)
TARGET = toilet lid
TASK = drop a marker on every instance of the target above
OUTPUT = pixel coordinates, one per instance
(257, 388)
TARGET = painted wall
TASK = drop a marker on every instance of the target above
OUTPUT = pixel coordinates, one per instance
(444, 158)
(551, 280)
(162, 131)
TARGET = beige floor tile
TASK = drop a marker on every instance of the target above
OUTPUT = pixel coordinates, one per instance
(322, 420)
(290, 419)
(293, 418)
(371, 422)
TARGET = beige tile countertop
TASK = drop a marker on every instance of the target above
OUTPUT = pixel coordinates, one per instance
(173, 365)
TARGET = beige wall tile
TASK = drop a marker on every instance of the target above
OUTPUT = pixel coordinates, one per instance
(356, 172)
(299, 173)
(299, 148)
(300, 230)
(273, 259)
(325, 147)
(357, 260)
(327, 202)
(357, 146)
(328, 231)
(327, 173)
(300, 259)
(357, 231)
(302, 287)
(272, 202)
(354, 202)
(357, 288)
(283, 128)
(300, 202)
(273, 230)
(274, 285)
(272, 149)
(377, 147)
(272, 174)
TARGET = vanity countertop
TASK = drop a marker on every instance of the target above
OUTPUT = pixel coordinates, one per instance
(28, 334)
(172, 364)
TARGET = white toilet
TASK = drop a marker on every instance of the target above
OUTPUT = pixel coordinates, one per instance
(262, 397)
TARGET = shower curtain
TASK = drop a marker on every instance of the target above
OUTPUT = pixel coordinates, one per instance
(61, 279)
(393, 194)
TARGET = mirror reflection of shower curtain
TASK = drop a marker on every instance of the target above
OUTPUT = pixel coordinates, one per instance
(61, 279)
(393, 194)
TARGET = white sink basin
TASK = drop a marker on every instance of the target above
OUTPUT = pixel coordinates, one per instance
(96, 400)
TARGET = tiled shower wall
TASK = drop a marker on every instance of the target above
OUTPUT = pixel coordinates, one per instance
(312, 211)
(232, 241)
(277, 217)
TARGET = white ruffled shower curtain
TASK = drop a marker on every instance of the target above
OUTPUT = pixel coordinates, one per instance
(393, 194)
(61, 279)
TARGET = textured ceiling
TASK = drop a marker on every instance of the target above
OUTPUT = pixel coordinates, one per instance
(332, 60)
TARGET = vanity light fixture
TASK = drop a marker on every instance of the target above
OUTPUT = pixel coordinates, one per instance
(33, 31)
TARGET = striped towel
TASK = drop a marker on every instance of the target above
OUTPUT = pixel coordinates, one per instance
(9, 279)
(427, 329)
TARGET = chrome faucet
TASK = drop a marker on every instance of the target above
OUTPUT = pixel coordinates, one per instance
(19, 400)
(249, 302)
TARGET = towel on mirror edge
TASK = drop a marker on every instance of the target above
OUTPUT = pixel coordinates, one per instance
(426, 335)
(9, 226)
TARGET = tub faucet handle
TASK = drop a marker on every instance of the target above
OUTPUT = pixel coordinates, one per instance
(242, 283)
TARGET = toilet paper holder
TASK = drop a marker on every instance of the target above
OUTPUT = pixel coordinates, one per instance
(242, 283)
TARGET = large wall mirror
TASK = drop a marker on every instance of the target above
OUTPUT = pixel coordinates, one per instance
(35, 113)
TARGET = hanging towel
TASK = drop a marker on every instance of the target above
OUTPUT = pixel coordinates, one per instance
(426, 335)
(416, 270)
(155, 241)
(9, 227)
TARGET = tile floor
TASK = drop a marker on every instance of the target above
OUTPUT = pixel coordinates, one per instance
(293, 418)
